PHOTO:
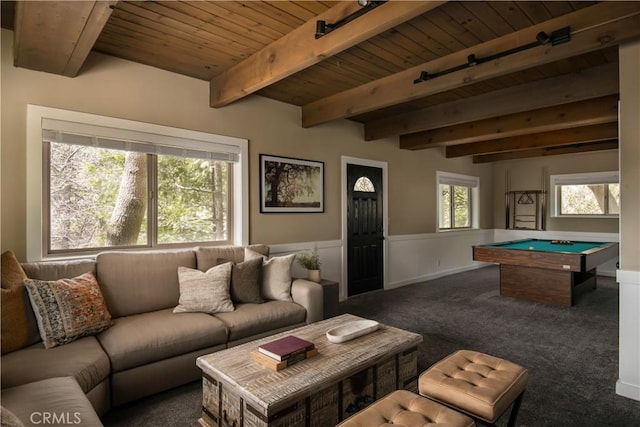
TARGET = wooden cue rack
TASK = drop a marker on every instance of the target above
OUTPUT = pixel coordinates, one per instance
(524, 209)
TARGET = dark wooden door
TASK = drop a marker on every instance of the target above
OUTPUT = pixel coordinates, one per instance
(365, 238)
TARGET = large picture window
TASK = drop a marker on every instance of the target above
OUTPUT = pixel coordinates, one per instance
(109, 188)
(586, 194)
(457, 201)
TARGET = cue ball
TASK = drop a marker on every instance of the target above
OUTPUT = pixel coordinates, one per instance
(530, 248)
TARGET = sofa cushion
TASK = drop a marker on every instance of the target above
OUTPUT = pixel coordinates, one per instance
(39, 402)
(205, 292)
(148, 337)
(68, 309)
(254, 319)
(18, 328)
(54, 270)
(208, 256)
(83, 359)
(139, 282)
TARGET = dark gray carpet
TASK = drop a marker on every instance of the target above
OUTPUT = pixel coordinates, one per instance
(572, 353)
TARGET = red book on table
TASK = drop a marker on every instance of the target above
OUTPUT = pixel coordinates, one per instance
(284, 348)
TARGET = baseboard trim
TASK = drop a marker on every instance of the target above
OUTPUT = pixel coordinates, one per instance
(432, 276)
(631, 391)
(608, 273)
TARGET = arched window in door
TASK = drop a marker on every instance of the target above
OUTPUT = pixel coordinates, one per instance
(364, 184)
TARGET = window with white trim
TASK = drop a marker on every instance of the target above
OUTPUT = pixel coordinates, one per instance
(457, 201)
(137, 186)
(595, 194)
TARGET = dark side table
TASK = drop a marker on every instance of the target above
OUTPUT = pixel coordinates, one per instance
(331, 297)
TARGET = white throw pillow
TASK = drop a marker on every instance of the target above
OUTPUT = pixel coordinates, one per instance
(276, 275)
(205, 292)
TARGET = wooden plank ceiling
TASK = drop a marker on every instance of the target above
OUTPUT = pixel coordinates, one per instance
(546, 99)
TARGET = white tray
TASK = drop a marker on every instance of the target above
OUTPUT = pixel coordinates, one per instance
(351, 330)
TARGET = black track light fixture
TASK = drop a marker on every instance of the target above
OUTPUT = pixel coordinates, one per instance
(563, 35)
(543, 38)
(323, 28)
(424, 76)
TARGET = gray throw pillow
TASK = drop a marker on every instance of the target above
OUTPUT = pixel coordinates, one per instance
(245, 281)
(205, 292)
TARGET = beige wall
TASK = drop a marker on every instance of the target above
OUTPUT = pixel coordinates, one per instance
(630, 156)
(527, 174)
(117, 88)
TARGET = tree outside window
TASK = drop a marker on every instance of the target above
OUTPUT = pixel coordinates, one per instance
(592, 194)
(455, 206)
(102, 198)
(458, 201)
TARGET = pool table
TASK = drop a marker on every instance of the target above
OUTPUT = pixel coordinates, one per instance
(546, 271)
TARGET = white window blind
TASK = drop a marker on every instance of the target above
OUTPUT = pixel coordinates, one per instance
(457, 180)
(586, 178)
(118, 139)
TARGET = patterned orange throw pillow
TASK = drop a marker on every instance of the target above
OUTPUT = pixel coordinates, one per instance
(68, 309)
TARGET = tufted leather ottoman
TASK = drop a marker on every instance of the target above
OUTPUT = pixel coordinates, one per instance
(480, 385)
(404, 408)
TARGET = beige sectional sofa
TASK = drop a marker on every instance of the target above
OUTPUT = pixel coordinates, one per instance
(148, 348)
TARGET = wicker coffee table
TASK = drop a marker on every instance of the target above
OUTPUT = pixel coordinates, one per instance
(321, 391)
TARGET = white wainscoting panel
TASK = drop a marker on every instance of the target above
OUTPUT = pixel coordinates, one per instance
(418, 257)
(628, 384)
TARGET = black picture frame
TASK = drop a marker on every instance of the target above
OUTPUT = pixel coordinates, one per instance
(300, 185)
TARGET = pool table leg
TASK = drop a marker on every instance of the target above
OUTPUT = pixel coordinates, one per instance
(583, 282)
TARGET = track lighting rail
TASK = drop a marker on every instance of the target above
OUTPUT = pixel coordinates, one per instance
(563, 35)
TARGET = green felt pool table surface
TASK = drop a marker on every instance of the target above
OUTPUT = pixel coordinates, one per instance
(548, 246)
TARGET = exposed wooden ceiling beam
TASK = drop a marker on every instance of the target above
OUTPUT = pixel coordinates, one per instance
(590, 83)
(592, 28)
(298, 49)
(57, 36)
(583, 113)
(539, 140)
(549, 151)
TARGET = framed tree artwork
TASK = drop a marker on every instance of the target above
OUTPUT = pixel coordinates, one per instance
(291, 185)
